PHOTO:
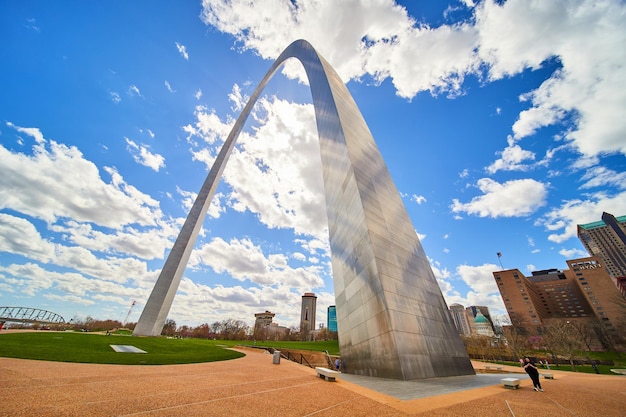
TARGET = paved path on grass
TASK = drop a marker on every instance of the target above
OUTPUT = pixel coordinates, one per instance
(254, 386)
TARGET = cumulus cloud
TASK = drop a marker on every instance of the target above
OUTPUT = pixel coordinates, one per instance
(563, 220)
(380, 40)
(573, 253)
(245, 261)
(56, 181)
(143, 156)
(512, 159)
(514, 198)
(30, 279)
(482, 288)
(275, 172)
(521, 34)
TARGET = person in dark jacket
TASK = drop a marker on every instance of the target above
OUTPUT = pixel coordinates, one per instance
(532, 372)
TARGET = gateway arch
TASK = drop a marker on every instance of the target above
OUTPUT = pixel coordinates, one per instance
(392, 319)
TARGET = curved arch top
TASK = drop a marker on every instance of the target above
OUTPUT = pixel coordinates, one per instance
(392, 319)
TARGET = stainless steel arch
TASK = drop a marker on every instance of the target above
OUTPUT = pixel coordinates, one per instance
(391, 316)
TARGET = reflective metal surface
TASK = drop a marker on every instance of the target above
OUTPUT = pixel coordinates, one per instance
(391, 316)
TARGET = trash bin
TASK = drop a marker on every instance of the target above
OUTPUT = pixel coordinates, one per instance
(276, 357)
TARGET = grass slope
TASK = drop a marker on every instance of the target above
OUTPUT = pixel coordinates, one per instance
(95, 348)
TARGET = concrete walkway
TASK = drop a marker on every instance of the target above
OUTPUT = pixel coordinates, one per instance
(254, 386)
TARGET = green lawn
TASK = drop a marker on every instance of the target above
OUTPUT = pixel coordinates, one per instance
(331, 346)
(617, 358)
(95, 348)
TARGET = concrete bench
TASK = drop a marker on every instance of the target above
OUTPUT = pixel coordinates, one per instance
(497, 368)
(511, 383)
(547, 376)
(327, 374)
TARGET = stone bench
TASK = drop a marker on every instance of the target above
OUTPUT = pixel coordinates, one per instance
(497, 368)
(511, 383)
(327, 374)
(547, 376)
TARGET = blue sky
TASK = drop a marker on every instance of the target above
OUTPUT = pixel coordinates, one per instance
(501, 123)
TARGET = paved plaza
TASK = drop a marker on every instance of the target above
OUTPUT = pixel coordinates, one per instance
(254, 386)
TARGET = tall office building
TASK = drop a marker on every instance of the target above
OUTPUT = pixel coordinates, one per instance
(473, 320)
(307, 316)
(331, 319)
(606, 239)
(262, 324)
(583, 293)
(457, 311)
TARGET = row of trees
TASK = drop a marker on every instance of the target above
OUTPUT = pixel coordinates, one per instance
(562, 340)
(228, 329)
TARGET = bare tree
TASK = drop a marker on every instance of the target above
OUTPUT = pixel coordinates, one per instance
(169, 329)
(517, 336)
(562, 339)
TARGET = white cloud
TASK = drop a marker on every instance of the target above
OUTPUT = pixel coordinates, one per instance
(503, 39)
(419, 199)
(182, 49)
(275, 173)
(31, 279)
(514, 198)
(34, 132)
(574, 212)
(169, 87)
(133, 90)
(512, 158)
(115, 97)
(587, 37)
(32, 25)
(20, 236)
(198, 94)
(481, 287)
(245, 261)
(600, 176)
(573, 253)
(57, 182)
(142, 156)
(376, 38)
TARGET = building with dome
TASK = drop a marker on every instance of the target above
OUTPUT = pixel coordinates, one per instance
(483, 326)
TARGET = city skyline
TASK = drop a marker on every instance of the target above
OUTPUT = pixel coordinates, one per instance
(500, 124)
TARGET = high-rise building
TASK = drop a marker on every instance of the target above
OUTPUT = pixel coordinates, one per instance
(473, 320)
(331, 319)
(606, 239)
(262, 324)
(584, 293)
(457, 311)
(307, 316)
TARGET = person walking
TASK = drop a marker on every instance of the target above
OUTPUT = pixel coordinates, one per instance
(532, 372)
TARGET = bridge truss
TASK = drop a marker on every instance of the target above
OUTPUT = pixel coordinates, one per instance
(29, 315)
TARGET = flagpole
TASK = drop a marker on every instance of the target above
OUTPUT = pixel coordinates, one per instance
(499, 260)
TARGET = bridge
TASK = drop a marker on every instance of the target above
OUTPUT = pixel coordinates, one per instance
(28, 315)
